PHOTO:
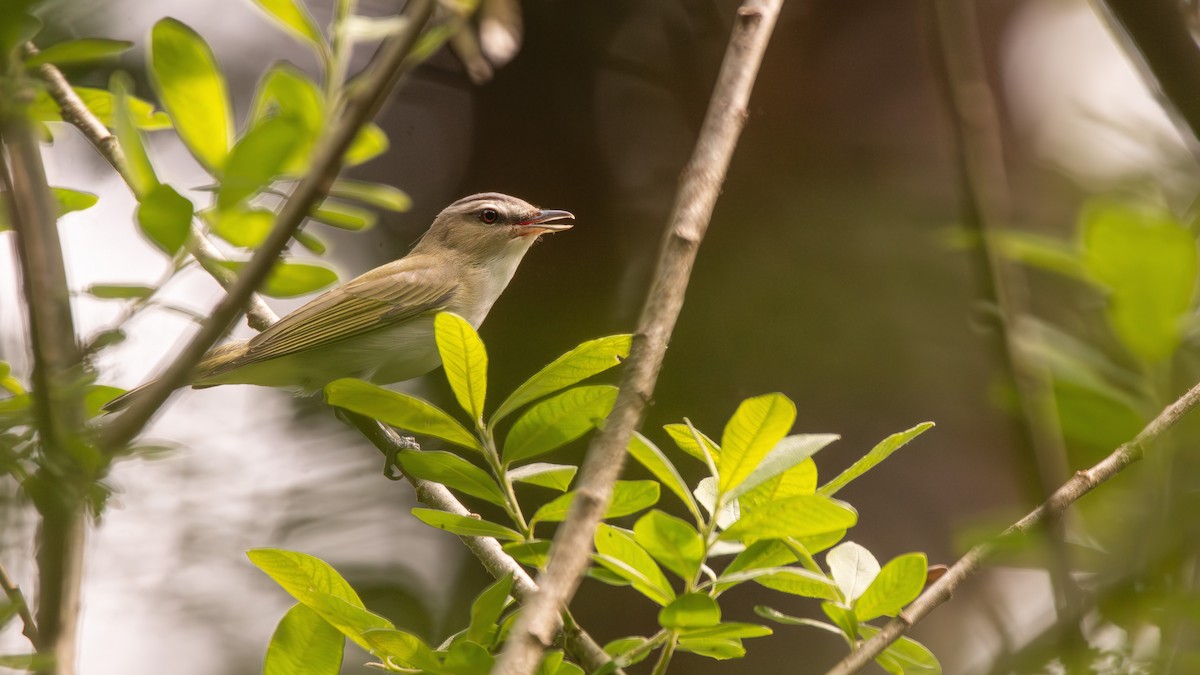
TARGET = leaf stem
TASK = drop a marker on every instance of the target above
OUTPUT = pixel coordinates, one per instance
(664, 659)
(513, 507)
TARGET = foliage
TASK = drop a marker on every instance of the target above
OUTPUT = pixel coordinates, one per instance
(760, 507)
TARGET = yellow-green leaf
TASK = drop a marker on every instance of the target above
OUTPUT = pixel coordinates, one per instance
(294, 17)
(756, 426)
(465, 361)
(82, 50)
(192, 89)
(399, 410)
(588, 359)
(558, 421)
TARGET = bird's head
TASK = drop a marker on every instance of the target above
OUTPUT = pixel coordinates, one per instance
(491, 224)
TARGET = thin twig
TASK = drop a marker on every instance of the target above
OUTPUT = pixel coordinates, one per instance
(577, 642)
(1082, 483)
(75, 113)
(697, 195)
(376, 83)
(987, 207)
(57, 391)
(17, 598)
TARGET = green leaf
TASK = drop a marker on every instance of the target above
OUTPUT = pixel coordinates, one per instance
(557, 421)
(465, 526)
(691, 610)
(96, 396)
(294, 17)
(304, 642)
(799, 516)
(370, 142)
(165, 217)
(588, 359)
(648, 455)
(791, 580)
(375, 194)
(287, 92)
(553, 476)
(706, 495)
(908, 657)
(533, 553)
(798, 480)
(683, 437)
(138, 169)
(399, 410)
(82, 50)
(353, 621)
(720, 649)
(467, 658)
(244, 227)
(1052, 255)
(452, 471)
(343, 216)
(192, 90)
(842, 618)
(486, 610)
(256, 159)
(119, 291)
(309, 242)
(300, 573)
(400, 646)
(289, 279)
(629, 496)
(465, 361)
(898, 583)
(102, 104)
(762, 554)
(620, 553)
(756, 426)
(675, 544)
(729, 630)
(1148, 262)
(853, 568)
(787, 453)
(69, 201)
(880, 452)
(627, 651)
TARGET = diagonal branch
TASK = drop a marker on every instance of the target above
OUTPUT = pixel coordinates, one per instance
(389, 64)
(75, 113)
(1082, 483)
(697, 195)
(17, 598)
(489, 552)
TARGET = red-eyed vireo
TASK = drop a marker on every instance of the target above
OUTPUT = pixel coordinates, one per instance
(380, 325)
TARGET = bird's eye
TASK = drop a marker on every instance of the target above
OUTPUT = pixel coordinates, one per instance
(489, 216)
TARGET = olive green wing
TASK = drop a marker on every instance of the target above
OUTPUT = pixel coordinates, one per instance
(383, 297)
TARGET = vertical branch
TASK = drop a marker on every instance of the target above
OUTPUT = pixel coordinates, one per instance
(58, 488)
(986, 206)
(697, 195)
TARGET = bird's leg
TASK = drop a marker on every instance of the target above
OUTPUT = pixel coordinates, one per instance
(381, 436)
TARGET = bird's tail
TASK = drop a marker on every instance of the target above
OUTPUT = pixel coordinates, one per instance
(218, 360)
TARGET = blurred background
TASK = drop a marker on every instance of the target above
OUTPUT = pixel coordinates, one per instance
(826, 275)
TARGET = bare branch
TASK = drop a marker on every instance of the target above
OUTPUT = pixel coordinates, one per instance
(697, 195)
(75, 113)
(368, 95)
(17, 598)
(1082, 483)
(57, 391)
(577, 642)
(987, 207)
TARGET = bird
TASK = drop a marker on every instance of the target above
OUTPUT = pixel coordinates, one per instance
(380, 325)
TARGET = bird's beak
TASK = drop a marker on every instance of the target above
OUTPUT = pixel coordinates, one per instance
(548, 220)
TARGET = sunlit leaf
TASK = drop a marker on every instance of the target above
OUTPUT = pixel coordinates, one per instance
(294, 17)
(285, 91)
(102, 104)
(897, 584)
(70, 201)
(728, 630)
(289, 279)
(675, 544)
(370, 142)
(618, 552)
(706, 496)
(190, 85)
(138, 169)
(465, 361)
(798, 516)
(786, 454)
(374, 194)
(165, 217)
(909, 656)
(628, 496)
(244, 227)
(343, 216)
(399, 410)
(256, 159)
(853, 568)
(82, 50)
(486, 610)
(304, 642)
(691, 610)
(588, 359)
(756, 426)
(553, 476)
(402, 647)
(686, 440)
(452, 471)
(299, 573)
(557, 421)
(780, 617)
(720, 649)
(465, 526)
(880, 452)
(534, 553)
(648, 455)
